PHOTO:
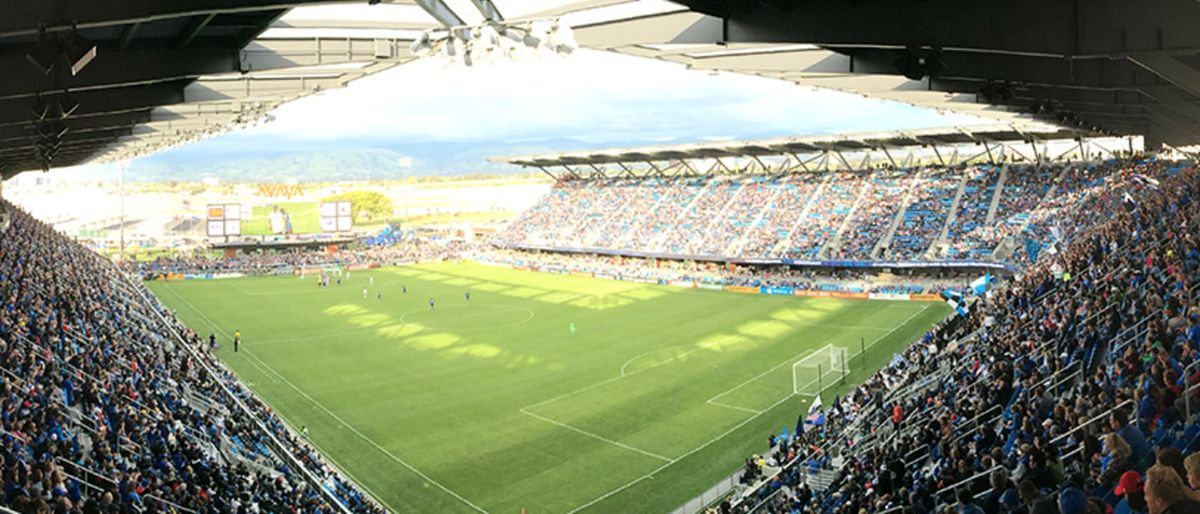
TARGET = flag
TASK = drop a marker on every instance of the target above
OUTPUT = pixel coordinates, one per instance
(980, 285)
(1151, 182)
(958, 306)
(1130, 204)
(1032, 247)
(783, 436)
(815, 416)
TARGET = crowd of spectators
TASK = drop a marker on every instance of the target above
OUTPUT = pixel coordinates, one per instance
(874, 214)
(723, 274)
(831, 215)
(109, 405)
(288, 261)
(970, 237)
(925, 215)
(1073, 390)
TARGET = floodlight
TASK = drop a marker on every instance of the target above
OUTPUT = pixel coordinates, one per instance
(468, 47)
(421, 47)
(489, 36)
(562, 39)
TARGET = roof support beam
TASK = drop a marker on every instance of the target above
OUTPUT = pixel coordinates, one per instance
(127, 34)
(488, 9)
(193, 28)
(1169, 69)
(120, 69)
(441, 12)
(63, 15)
(105, 101)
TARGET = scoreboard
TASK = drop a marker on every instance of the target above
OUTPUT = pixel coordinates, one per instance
(224, 220)
(336, 217)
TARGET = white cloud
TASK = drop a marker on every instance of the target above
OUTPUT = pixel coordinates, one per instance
(589, 95)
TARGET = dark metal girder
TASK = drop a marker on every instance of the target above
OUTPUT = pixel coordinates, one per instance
(23, 18)
(102, 102)
(120, 69)
(193, 28)
(1097, 73)
(1052, 29)
(27, 141)
(74, 125)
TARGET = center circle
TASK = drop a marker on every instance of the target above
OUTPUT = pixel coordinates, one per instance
(468, 318)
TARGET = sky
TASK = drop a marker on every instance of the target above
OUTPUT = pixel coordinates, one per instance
(449, 118)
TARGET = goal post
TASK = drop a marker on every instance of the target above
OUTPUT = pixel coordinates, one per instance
(819, 370)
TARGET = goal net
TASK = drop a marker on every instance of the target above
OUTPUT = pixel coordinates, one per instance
(819, 370)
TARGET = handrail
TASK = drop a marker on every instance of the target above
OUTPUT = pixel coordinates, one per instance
(968, 480)
(1187, 390)
(1088, 423)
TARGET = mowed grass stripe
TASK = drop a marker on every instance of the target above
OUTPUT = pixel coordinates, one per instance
(444, 389)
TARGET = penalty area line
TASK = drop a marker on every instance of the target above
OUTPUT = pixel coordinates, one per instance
(364, 437)
(597, 436)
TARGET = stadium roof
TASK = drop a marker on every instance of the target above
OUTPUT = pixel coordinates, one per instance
(167, 73)
(1104, 65)
(840, 143)
(106, 80)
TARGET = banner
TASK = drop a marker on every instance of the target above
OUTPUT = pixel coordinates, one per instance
(777, 290)
(581, 274)
(831, 294)
(742, 289)
(682, 283)
(889, 296)
(711, 287)
(793, 262)
(925, 297)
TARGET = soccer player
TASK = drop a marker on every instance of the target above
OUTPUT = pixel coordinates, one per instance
(212, 342)
(237, 339)
(379, 296)
(572, 328)
(364, 292)
(431, 302)
(468, 295)
(404, 289)
(371, 280)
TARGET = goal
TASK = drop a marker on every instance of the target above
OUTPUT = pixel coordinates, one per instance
(819, 370)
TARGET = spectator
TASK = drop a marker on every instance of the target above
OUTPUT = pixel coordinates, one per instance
(1166, 494)
(1130, 491)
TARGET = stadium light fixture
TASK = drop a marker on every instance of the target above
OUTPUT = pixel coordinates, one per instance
(422, 46)
(494, 40)
(562, 39)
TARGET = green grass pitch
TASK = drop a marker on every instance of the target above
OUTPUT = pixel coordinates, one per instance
(494, 406)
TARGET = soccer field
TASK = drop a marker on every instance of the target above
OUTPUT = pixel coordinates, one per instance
(494, 406)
